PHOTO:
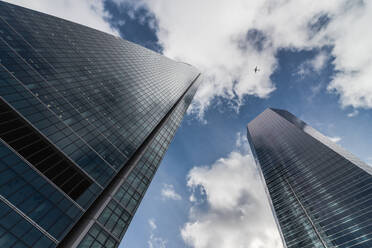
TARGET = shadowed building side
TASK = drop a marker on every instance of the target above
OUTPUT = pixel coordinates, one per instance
(85, 119)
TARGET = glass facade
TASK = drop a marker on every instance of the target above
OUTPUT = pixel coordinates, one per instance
(85, 119)
(320, 194)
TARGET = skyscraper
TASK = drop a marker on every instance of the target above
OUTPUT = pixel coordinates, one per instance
(321, 195)
(85, 119)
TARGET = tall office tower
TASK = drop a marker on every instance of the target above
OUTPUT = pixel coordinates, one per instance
(321, 195)
(85, 119)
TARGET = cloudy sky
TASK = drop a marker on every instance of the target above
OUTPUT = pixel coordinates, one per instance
(315, 60)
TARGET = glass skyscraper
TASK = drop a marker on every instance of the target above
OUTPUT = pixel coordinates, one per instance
(320, 194)
(85, 119)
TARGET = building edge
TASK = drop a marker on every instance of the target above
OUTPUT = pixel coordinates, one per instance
(262, 179)
(81, 228)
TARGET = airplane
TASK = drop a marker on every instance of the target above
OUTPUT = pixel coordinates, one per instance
(256, 70)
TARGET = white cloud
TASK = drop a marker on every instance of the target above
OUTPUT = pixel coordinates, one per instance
(319, 61)
(192, 198)
(353, 114)
(87, 12)
(241, 143)
(227, 39)
(353, 54)
(168, 192)
(154, 241)
(334, 139)
(211, 36)
(314, 65)
(237, 213)
(152, 224)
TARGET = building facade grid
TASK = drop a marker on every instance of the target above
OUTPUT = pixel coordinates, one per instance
(87, 101)
(320, 196)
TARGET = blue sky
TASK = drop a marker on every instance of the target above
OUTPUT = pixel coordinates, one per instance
(316, 62)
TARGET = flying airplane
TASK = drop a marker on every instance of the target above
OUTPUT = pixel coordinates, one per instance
(256, 70)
